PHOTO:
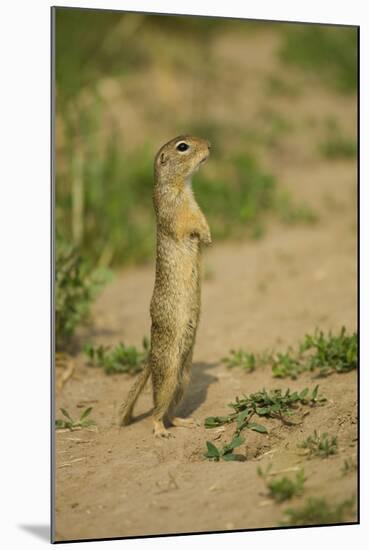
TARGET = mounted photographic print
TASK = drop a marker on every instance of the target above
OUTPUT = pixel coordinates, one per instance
(205, 374)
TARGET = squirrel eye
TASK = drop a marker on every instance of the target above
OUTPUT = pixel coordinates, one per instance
(182, 146)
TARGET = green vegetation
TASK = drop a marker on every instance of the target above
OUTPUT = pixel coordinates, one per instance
(121, 359)
(317, 511)
(322, 353)
(329, 353)
(286, 364)
(320, 445)
(76, 285)
(329, 53)
(319, 352)
(273, 404)
(244, 360)
(226, 453)
(70, 424)
(283, 488)
(104, 196)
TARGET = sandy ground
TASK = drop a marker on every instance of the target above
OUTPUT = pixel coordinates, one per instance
(120, 482)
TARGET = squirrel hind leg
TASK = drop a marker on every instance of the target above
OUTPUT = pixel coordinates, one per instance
(165, 389)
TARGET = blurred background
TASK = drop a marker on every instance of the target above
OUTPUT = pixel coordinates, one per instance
(267, 95)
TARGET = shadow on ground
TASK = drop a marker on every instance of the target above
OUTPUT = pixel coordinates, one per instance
(197, 389)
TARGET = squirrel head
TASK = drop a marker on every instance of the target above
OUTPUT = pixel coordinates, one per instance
(178, 159)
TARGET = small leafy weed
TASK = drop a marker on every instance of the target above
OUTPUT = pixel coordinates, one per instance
(226, 452)
(320, 445)
(329, 353)
(283, 488)
(247, 361)
(121, 359)
(273, 404)
(319, 352)
(76, 286)
(286, 364)
(70, 424)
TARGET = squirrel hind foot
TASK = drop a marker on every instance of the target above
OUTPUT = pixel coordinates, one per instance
(184, 422)
(160, 431)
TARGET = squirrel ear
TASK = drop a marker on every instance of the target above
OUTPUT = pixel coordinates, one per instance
(163, 158)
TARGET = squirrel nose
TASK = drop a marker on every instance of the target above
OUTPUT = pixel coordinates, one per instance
(209, 144)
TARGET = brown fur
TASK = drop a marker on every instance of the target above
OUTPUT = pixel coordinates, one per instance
(175, 304)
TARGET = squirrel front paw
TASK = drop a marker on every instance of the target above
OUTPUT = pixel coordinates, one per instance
(206, 238)
(203, 235)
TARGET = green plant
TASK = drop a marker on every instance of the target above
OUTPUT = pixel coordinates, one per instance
(317, 511)
(273, 404)
(325, 353)
(329, 53)
(284, 488)
(286, 364)
(226, 452)
(245, 360)
(320, 445)
(318, 352)
(70, 424)
(121, 359)
(76, 285)
(95, 195)
(329, 353)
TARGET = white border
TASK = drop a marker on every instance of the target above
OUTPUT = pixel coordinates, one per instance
(25, 264)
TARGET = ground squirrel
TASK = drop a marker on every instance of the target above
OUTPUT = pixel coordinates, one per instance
(175, 304)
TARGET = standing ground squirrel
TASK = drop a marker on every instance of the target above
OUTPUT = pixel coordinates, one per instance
(175, 304)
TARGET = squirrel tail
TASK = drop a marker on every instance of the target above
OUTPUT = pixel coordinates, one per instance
(126, 409)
